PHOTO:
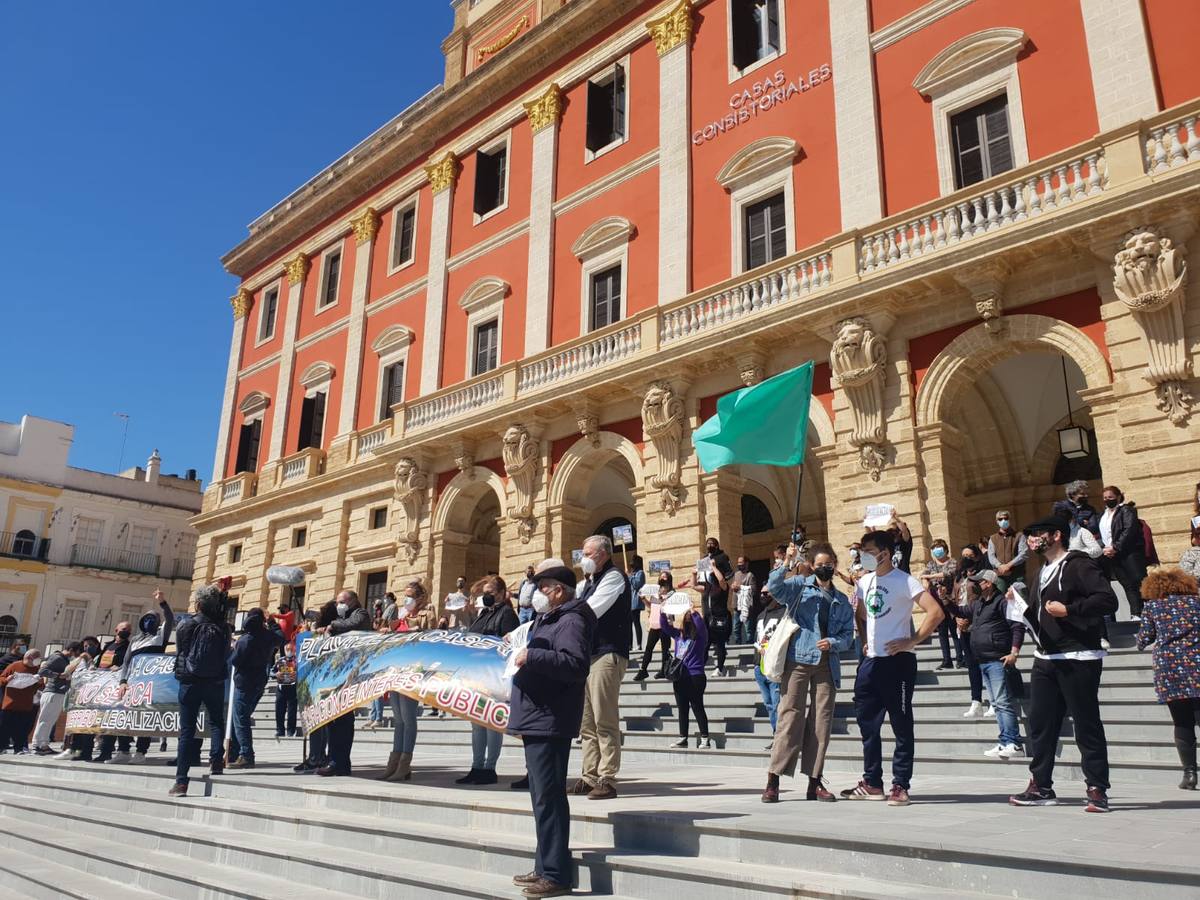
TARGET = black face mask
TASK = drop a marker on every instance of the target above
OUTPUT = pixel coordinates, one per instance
(488, 599)
(122, 635)
(1112, 504)
(743, 568)
(824, 573)
(970, 562)
(712, 551)
(664, 585)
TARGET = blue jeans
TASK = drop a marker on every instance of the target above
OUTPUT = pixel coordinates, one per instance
(996, 682)
(524, 614)
(485, 747)
(404, 714)
(211, 696)
(377, 709)
(244, 702)
(770, 694)
(741, 628)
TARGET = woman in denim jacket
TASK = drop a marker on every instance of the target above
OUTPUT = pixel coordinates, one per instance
(813, 672)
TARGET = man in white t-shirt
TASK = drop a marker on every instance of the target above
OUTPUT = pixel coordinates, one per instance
(884, 600)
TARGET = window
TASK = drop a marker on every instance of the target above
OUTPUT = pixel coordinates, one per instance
(89, 531)
(312, 421)
(379, 517)
(248, 442)
(756, 517)
(130, 612)
(74, 617)
(606, 297)
(235, 553)
(329, 279)
(299, 537)
(403, 236)
(487, 347)
(393, 389)
(766, 231)
(755, 31)
(270, 306)
(981, 145)
(375, 587)
(490, 177)
(24, 543)
(606, 109)
(141, 539)
(296, 598)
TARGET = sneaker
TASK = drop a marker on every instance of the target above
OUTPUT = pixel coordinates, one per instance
(305, 767)
(139, 759)
(974, 711)
(469, 778)
(1008, 751)
(704, 744)
(1034, 796)
(526, 879)
(898, 796)
(641, 676)
(66, 754)
(121, 758)
(680, 744)
(1097, 801)
(991, 712)
(995, 752)
(863, 791)
(659, 676)
(1135, 618)
(179, 790)
(1104, 644)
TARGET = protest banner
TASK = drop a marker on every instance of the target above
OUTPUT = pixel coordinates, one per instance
(462, 673)
(150, 707)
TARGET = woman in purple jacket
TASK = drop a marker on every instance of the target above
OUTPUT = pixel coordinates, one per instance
(690, 648)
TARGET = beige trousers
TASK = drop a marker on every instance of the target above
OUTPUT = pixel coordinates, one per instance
(601, 729)
(804, 719)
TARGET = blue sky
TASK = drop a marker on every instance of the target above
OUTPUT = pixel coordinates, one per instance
(140, 138)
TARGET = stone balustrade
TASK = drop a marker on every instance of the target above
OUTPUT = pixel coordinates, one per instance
(301, 466)
(371, 439)
(1175, 143)
(458, 402)
(595, 352)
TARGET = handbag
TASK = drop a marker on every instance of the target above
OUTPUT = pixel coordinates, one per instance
(775, 656)
(676, 670)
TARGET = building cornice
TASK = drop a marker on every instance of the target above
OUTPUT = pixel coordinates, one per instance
(419, 132)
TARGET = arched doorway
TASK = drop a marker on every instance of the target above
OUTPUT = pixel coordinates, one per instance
(595, 489)
(467, 524)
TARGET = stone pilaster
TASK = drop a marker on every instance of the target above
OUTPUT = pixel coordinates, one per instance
(443, 176)
(854, 113)
(940, 447)
(666, 533)
(721, 498)
(365, 227)
(544, 115)
(242, 303)
(1119, 56)
(297, 271)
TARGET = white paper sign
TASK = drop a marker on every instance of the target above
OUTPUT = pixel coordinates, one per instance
(623, 534)
(677, 604)
(649, 591)
(878, 515)
(456, 601)
(22, 680)
(576, 556)
(1015, 611)
(703, 567)
(1196, 521)
(519, 639)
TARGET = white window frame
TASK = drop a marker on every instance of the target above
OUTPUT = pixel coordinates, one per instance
(610, 71)
(602, 244)
(736, 74)
(392, 346)
(968, 72)
(317, 378)
(503, 140)
(154, 536)
(104, 521)
(277, 286)
(73, 603)
(754, 173)
(324, 270)
(254, 407)
(413, 203)
(483, 301)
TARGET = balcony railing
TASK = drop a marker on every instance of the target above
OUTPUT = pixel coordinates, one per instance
(371, 439)
(457, 402)
(114, 559)
(23, 545)
(183, 568)
(301, 466)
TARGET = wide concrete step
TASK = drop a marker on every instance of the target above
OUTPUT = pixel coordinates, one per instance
(39, 877)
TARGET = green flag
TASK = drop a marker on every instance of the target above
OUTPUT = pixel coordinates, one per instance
(765, 424)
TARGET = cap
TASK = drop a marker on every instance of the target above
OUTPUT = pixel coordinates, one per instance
(1050, 523)
(985, 575)
(561, 574)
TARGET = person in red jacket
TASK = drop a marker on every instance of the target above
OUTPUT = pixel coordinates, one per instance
(20, 683)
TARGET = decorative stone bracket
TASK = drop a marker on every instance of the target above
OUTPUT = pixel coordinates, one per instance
(464, 458)
(662, 421)
(1149, 274)
(857, 362)
(985, 283)
(410, 487)
(520, 452)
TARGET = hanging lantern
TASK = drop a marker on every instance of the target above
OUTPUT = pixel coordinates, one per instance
(1073, 442)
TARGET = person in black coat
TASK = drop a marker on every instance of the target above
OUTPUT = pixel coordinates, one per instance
(352, 616)
(546, 710)
(251, 661)
(1124, 547)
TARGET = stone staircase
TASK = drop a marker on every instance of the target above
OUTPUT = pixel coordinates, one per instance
(687, 822)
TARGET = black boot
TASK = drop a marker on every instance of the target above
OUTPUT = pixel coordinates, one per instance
(1187, 756)
(470, 778)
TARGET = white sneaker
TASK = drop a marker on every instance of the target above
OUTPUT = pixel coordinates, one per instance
(1104, 644)
(121, 759)
(704, 744)
(139, 759)
(1008, 751)
(996, 752)
(66, 754)
(991, 712)
(974, 711)
(1135, 618)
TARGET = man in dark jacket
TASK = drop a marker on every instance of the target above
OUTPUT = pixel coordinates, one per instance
(251, 660)
(995, 644)
(154, 634)
(351, 617)
(546, 712)
(1067, 605)
(1124, 545)
(201, 651)
(113, 657)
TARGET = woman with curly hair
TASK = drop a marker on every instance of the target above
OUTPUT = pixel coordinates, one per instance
(1171, 622)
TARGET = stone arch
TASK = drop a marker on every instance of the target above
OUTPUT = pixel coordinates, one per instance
(462, 495)
(584, 457)
(768, 497)
(766, 155)
(976, 350)
(820, 423)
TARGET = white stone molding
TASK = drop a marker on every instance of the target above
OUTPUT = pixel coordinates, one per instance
(317, 336)
(753, 173)
(277, 286)
(483, 293)
(493, 144)
(263, 364)
(316, 378)
(287, 357)
(391, 347)
(519, 450)
(487, 245)
(857, 362)
(1149, 275)
(919, 18)
(568, 484)
(321, 264)
(860, 185)
(674, 172)
(602, 244)
(366, 228)
(254, 406)
(391, 299)
(1119, 58)
(543, 173)
(482, 302)
(757, 159)
(224, 429)
(663, 414)
(397, 214)
(467, 486)
(985, 282)
(435, 291)
(410, 487)
(643, 163)
(969, 71)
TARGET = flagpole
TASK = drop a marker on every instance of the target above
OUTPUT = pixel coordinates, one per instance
(799, 490)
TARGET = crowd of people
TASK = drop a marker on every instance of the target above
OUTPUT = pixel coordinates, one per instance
(985, 604)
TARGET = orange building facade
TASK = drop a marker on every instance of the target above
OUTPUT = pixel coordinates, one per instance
(490, 328)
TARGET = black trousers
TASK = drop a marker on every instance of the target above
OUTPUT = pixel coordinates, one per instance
(1129, 571)
(341, 741)
(546, 765)
(109, 741)
(689, 692)
(285, 706)
(974, 674)
(318, 745)
(1185, 715)
(1058, 687)
(884, 687)
(718, 634)
(14, 729)
(635, 628)
(655, 637)
(947, 632)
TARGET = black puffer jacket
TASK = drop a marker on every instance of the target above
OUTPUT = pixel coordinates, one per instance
(496, 620)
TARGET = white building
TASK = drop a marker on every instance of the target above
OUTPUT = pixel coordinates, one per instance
(81, 551)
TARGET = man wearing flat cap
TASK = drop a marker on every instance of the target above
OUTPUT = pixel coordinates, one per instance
(1066, 608)
(546, 710)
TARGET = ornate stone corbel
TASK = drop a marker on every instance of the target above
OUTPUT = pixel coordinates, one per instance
(1149, 273)
(662, 421)
(589, 427)
(672, 28)
(520, 452)
(464, 458)
(443, 173)
(544, 111)
(752, 367)
(297, 268)
(985, 283)
(857, 363)
(410, 487)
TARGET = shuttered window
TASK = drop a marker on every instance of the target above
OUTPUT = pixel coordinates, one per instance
(333, 271)
(403, 238)
(248, 441)
(606, 109)
(982, 144)
(490, 176)
(606, 298)
(766, 232)
(487, 347)
(312, 421)
(270, 308)
(755, 30)
(393, 389)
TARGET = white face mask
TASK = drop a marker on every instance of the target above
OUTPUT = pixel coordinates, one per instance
(343, 608)
(409, 602)
(588, 565)
(869, 561)
(541, 603)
